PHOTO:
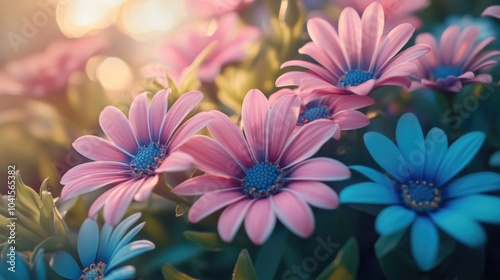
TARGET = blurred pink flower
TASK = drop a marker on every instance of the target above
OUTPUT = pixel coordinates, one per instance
(339, 109)
(156, 72)
(263, 173)
(455, 61)
(492, 11)
(357, 59)
(139, 148)
(215, 8)
(395, 11)
(46, 72)
(228, 42)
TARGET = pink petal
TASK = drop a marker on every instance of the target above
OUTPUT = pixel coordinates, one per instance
(393, 43)
(231, 218)
(326, 38)
(175, 162)
(404, 57)
(147, 187)
(101, 200)
(294, 213)
(181, 108)
(90, 183)
(448, 43)
(254, 118)
(492, 11)
(93, 168)
(118, 129)
(317, 69)
(301, 147)
(319, 169)
(205, 184)
(138, 115)
(281, 121)
(348, 120)
(430, 60)
(350, 36)
(211, 157)
(315, 193)
(482, 78)
(348, 102)
(188, 129)
(471, 57)
(280, 93)
(260, 221)
(211, 202)
(372, 24)
(96, 148)
(316, 53)
(157, 111)
(310, 83)
(465, 44)
(119, 201)
(363, 89)
(224, 131)
(289, 78)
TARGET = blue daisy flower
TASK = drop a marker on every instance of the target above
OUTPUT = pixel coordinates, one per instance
(422, 196)
(101, 252)
(18, 268)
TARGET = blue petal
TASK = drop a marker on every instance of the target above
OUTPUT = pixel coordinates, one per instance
(39, 266)
(64, 265)
(126, 239)
(126, 272)
(473, 183)
(458, 156)
(21, 269)
(374, 175)
(88, 240)
(436, 147)
(393, 219)
(131, 250)
(462, 228)
(371, 193)
(106, 232)
(387, 155)
(411, 143)
(118, 233)
(495, 159)
(483, 208)
(424, 242)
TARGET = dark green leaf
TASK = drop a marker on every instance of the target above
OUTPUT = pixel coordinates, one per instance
(244, 269)
(345, 265)
(170, 273)
(208, 240)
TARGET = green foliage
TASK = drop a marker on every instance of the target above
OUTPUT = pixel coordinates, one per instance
(345, 265)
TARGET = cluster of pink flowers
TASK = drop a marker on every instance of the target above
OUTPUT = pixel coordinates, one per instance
(264, 172)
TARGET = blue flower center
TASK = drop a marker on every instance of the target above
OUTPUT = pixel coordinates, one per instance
(443, 72)
(262, 180)
(93, 272)
(355, 77)
(422, 196)
(148, 158)
(313, 113)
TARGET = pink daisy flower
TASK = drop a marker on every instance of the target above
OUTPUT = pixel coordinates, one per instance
(215, 8)
(340, 110)
(49, 71)
(492, 11)
(357, 59)
(455, 61)
(263, 173)
(396, 11)
(137, 151)
(227, 41)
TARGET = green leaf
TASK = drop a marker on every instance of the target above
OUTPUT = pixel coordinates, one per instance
(244, 269)
(28, 201)
(345, 265)
(208, 240)
(396, 263)
(270, 254)
(170, 273)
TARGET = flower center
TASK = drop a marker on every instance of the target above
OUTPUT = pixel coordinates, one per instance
(313, 113)
(355, 77)
(93, 272)
(262, 180)
(421, 196)
(148, 158)
(443, 72)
